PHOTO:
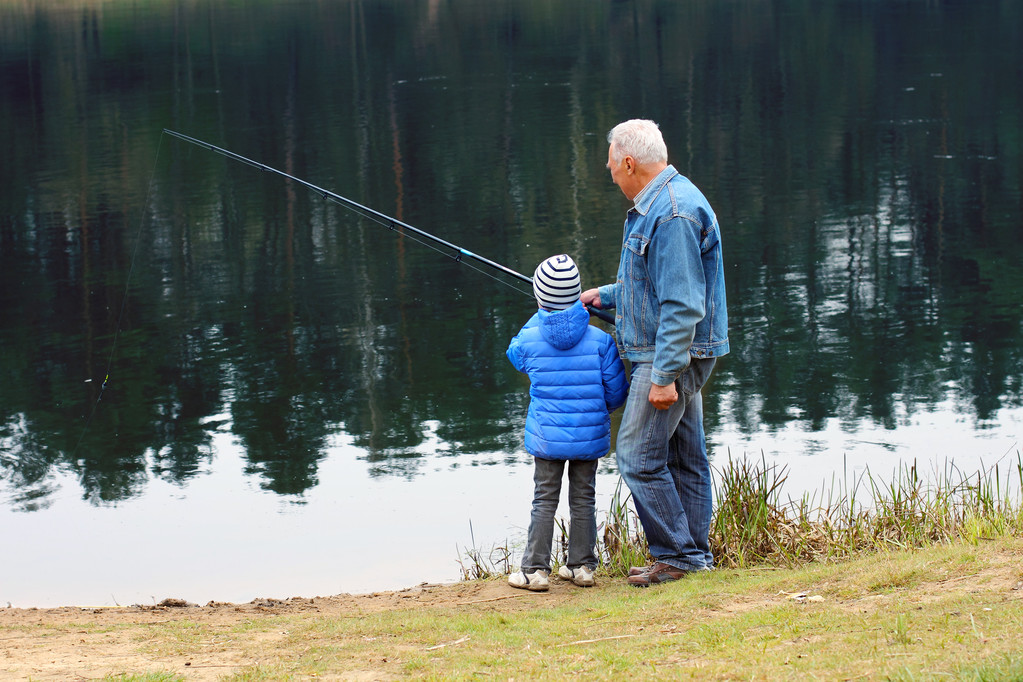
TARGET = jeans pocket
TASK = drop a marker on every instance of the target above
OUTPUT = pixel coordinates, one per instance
(695, 376)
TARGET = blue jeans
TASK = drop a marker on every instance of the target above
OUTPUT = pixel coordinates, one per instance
(662, 456)
(582, 534)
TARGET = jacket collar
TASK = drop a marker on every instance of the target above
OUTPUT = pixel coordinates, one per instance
(646, 197)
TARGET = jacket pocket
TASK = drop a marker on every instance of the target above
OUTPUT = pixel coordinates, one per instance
(636, 248)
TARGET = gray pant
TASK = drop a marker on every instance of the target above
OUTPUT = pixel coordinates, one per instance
(582, 536)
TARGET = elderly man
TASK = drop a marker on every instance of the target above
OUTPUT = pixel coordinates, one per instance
(671, 322)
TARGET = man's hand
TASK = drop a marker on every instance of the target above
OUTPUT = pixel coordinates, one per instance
(663, 397)
(590, 297)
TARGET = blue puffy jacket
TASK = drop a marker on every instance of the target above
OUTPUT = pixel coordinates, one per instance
(576, 380)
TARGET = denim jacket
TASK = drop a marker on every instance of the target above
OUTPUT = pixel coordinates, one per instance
(670, 290)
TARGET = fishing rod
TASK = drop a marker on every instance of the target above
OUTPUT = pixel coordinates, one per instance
(377, 216)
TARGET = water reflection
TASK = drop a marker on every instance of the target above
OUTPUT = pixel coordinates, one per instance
(156, 299)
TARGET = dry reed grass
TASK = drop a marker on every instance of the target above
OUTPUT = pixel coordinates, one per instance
(754, 525)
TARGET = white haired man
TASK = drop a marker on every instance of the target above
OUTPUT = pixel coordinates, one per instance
(671, 322)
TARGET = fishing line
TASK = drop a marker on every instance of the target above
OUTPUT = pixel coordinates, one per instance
(124, 299)
(458, 253)
(455, 257)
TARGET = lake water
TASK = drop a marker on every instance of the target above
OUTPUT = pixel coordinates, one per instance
(220, 386)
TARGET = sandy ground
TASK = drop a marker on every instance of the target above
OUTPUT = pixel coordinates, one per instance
(75, 643)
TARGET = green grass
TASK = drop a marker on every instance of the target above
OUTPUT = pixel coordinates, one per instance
(753, 525)
(890, 615)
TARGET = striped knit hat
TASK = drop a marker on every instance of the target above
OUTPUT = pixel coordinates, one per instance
(556, 283)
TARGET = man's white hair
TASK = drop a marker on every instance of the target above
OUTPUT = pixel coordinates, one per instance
(639, 138)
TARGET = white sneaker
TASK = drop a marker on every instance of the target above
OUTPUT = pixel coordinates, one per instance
(582, 576)
(534, 582)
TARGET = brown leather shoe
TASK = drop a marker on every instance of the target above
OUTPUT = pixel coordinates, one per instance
(658, 573)
(639, 570)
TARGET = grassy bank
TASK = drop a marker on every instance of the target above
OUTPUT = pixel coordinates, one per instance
(950, 611)
(918, 578)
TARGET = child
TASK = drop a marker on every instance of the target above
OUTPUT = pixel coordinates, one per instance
(576, 381)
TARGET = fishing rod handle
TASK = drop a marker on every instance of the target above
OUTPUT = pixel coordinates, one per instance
(601, 314)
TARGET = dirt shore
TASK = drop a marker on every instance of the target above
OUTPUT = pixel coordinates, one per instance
(75, 643)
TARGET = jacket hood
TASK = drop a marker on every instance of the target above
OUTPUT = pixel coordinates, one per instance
(563, 329)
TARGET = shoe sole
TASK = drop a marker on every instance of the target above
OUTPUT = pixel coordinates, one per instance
(571, 578)
(531, 588)
(659, 581)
